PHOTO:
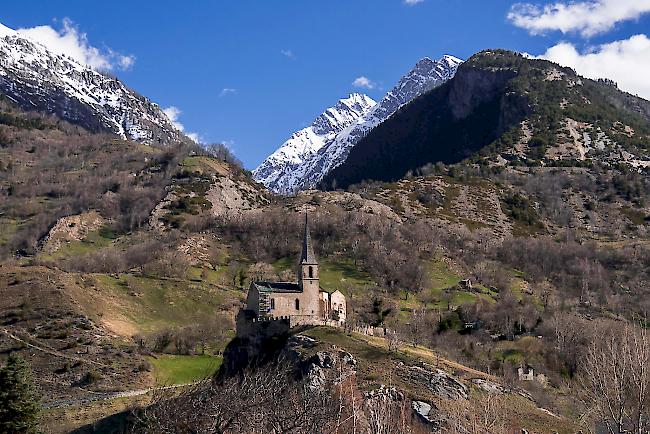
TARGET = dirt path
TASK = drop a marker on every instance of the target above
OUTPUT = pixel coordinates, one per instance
(92, 396)
(104, 396)
(429, 355)
(50, 351)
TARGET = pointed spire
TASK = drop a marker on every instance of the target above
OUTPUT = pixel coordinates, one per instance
(307, 256)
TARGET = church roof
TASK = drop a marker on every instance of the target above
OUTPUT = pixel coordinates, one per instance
(277, 287)
(307, 256)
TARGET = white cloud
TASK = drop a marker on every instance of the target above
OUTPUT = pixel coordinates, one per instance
(363, 82)
(627, 62)
(173, 113)
(70, 41)
(288, 53)
(589, 18)
(196, 137)
(412, 2)
(227, 91)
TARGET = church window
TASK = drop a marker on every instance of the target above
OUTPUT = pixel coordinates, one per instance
(297, 304)
(311, 272)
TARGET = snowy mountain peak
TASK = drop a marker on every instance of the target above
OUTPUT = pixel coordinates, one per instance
(304, 143)
(343, 113)
(6, 31)
(451, 60)
(303, 161)
(35, 78)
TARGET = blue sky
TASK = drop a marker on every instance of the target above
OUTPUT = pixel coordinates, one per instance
(249, 73)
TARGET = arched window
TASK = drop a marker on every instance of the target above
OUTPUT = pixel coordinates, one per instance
(311, 272)
(273, 303)
(297, 304)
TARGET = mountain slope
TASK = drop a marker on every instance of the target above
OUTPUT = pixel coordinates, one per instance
(426, 75)
(37, 79)
(303, 144)
(530, 112)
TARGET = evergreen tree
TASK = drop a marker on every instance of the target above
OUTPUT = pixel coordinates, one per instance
(18, 398)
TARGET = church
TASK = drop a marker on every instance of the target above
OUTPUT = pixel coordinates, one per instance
(303, 302)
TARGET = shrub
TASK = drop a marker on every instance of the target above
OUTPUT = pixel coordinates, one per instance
(144, 366)
(91, 377)
(19, 402)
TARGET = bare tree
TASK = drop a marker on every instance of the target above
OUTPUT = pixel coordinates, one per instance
(268, 399)
(616, 379)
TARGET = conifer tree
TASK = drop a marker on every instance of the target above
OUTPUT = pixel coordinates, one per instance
(19, 402)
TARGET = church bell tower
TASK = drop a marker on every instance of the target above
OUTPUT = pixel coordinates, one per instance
(308, 267)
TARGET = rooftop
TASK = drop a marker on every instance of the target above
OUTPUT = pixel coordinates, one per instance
(307, 256)
(277, 287)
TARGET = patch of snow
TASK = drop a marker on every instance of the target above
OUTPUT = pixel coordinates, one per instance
(32, 75)
(304, 160)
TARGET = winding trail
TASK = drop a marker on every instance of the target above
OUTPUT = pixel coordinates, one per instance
(427, 354)
(50, 351)
(105, 396)
(92, 396)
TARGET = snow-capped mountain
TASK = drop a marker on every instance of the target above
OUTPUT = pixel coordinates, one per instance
(38, 79)
(286, 175)
(303, 144)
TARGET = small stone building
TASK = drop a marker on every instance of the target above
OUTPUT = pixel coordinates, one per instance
(303, 302)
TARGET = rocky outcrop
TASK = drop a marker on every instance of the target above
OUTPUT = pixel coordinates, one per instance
(385, 392)
(436, 381)
(320, 365)
(488, 386)
(230, 196)
(71, 228)
(428, 414)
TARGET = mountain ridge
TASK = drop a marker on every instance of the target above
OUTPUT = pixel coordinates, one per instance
(424, 76)
(35, 78)
(306, 142)
(502, 109)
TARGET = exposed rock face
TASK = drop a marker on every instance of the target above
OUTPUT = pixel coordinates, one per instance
(71, 228)
(347, 358)
(323, 359)
(296, 166)
(35, 78)
(427, 413)
(317, 367)
(232, 196)
(472, 87)
(488, 386)
(278, 170)
(316, 377)
(302, 341)
(437, 381)
(385, 392)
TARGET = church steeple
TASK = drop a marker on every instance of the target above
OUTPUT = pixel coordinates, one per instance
(307, 256)
(308, 267)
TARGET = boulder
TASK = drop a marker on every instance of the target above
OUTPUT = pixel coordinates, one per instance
(323, 359)
(488, 386)
(315, 377)
(302, 341)
(423, 410)
(437, 381)
(347, 358)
